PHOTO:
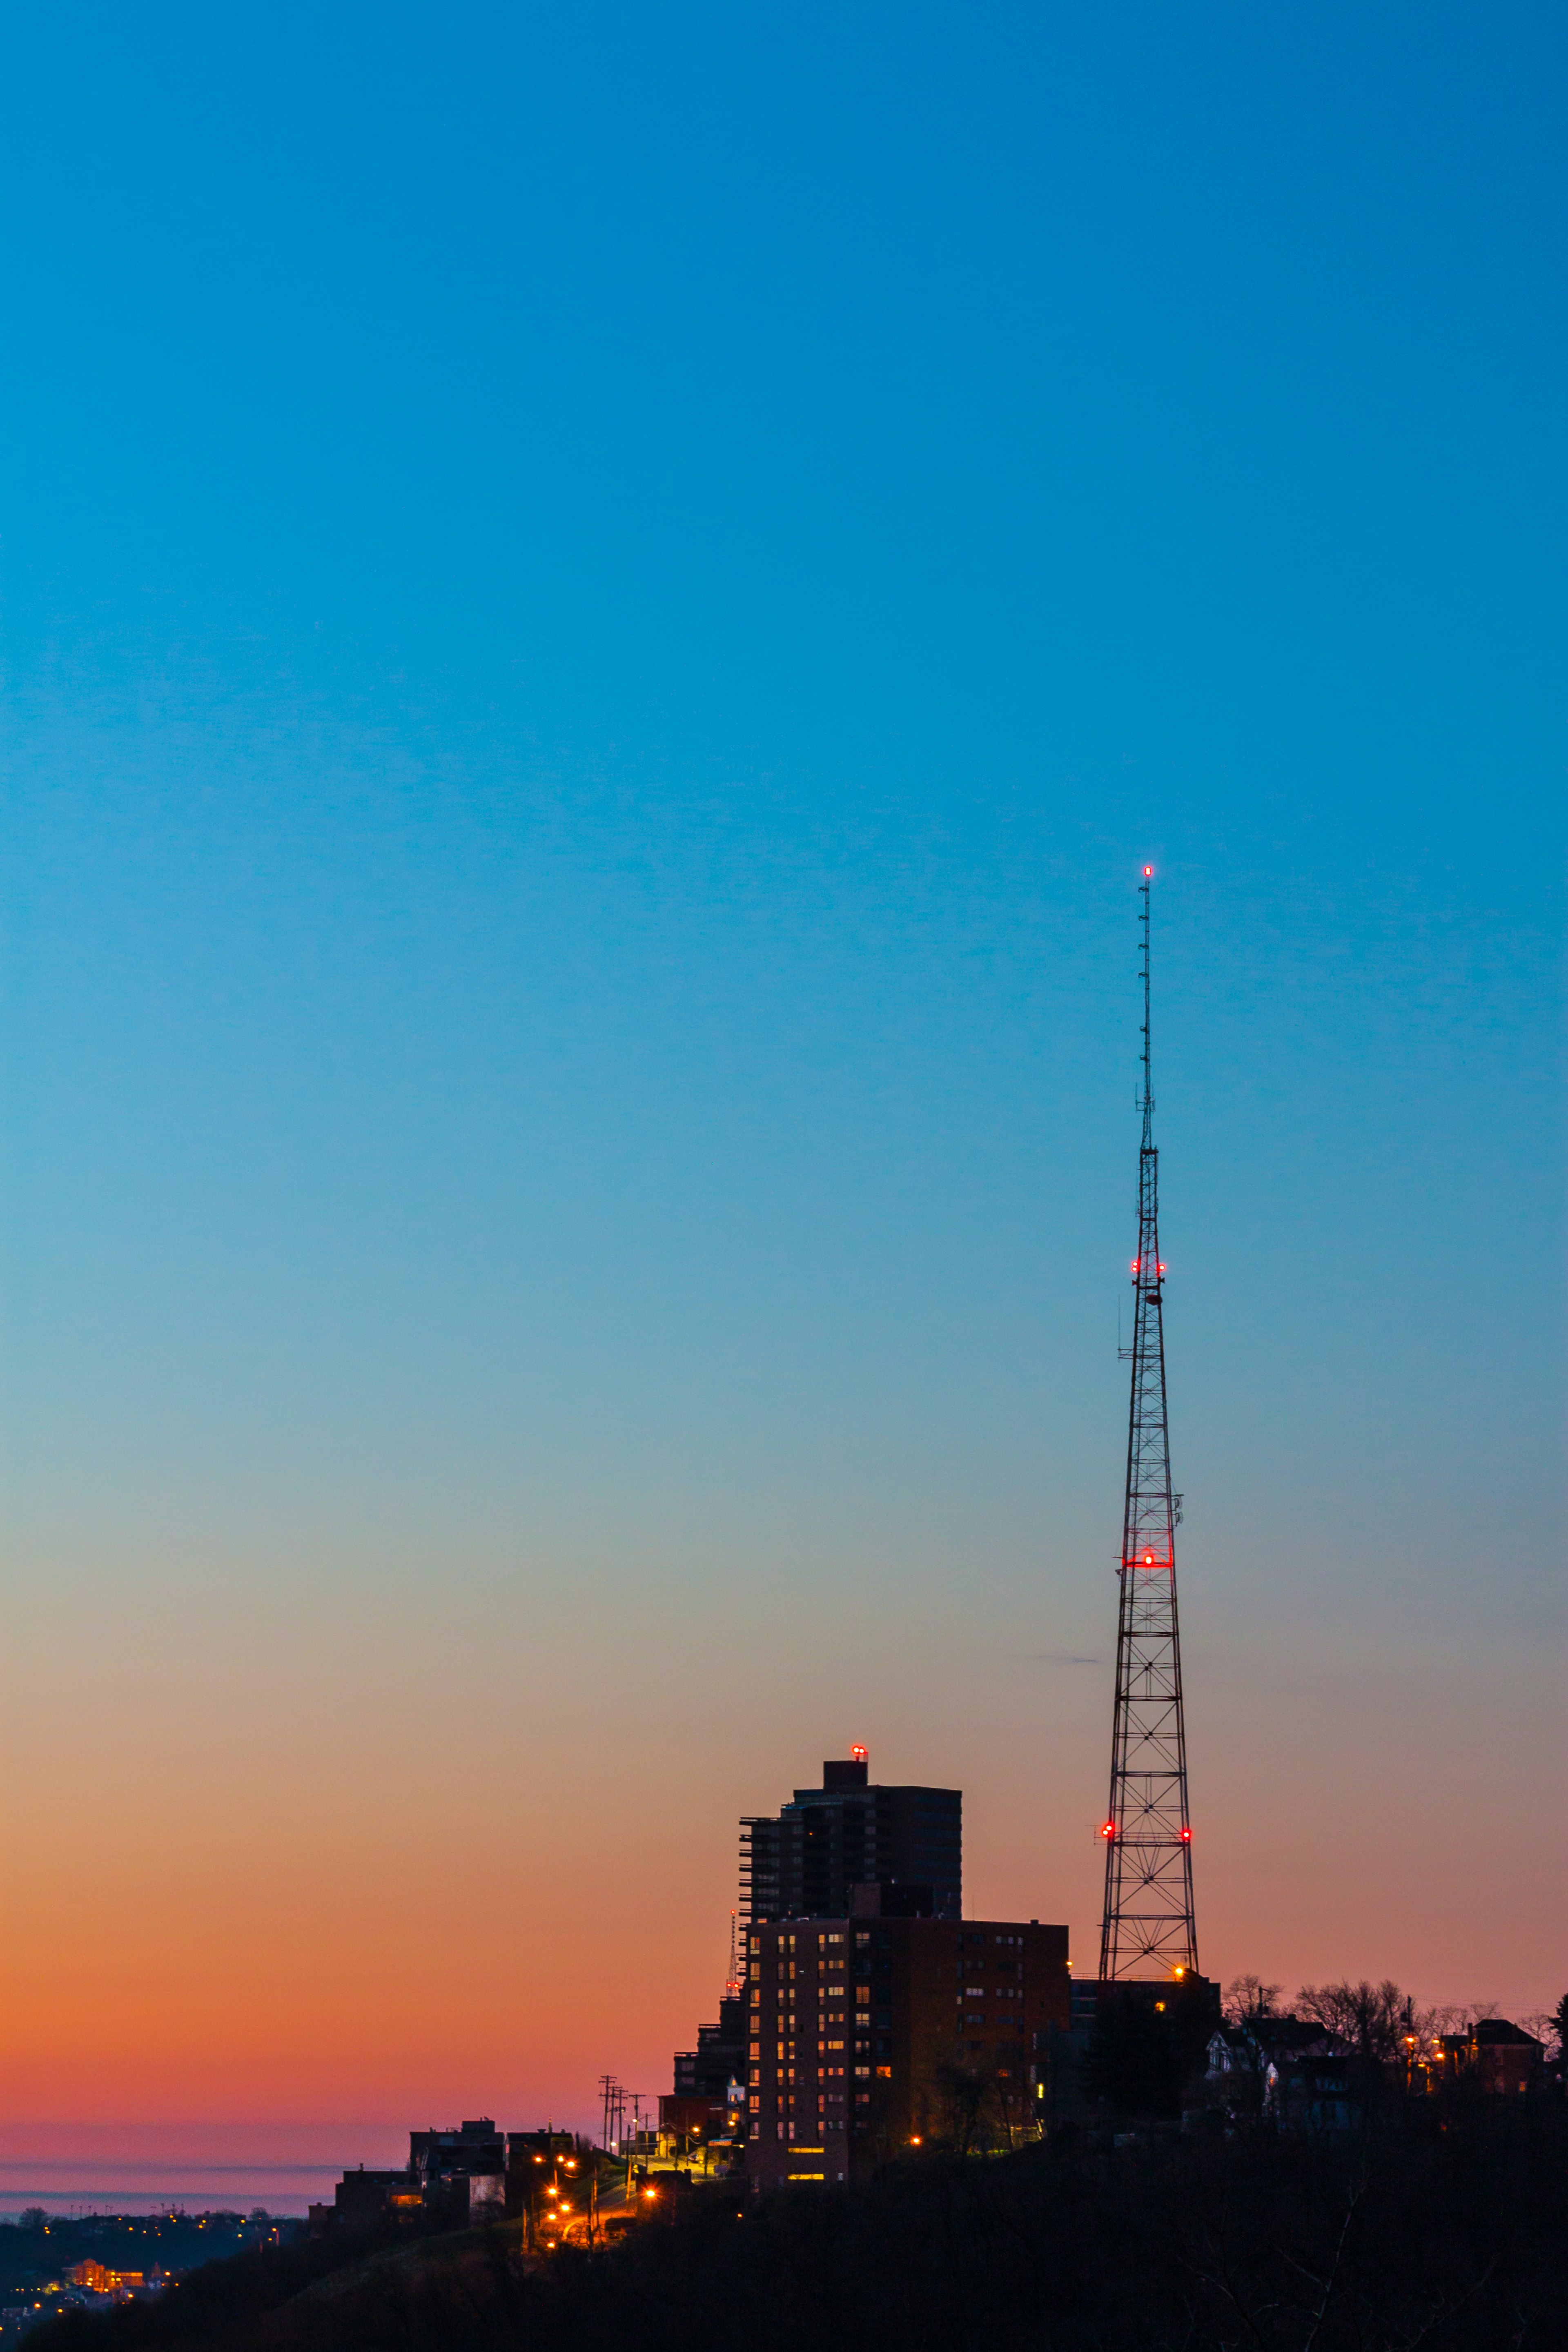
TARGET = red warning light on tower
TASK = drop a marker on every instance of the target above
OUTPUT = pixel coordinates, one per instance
(1148, 872)
(858, 1755)
(1108, 1829)
(1186, 1836)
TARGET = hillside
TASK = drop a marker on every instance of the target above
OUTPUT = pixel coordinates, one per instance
(1452, 2240)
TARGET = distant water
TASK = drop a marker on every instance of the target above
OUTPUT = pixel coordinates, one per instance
(195, 2187)
(130, 2168)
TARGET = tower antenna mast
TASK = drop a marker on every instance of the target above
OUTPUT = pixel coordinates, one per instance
(1149, 1929)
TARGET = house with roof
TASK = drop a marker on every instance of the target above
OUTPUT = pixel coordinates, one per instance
(1289, 2068)
(1494, 2055)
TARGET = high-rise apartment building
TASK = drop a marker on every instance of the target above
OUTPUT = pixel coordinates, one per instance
(869, 2034)
(806, 1862)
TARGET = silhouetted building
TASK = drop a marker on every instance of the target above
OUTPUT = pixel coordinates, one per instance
(455, 2172)
(869, 2033)
(806, 1862)
(547, 2147)
(1242, 2055)
(463, 2168)
(362, 2197)
(1497, 2055)
(707, 2071)
(708, 2101)
(684, 2118)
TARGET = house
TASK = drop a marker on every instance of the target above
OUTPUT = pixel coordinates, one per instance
(1290, 2068)
(1494, 2055)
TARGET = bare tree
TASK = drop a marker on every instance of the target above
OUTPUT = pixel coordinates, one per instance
(1247, 1997)
(1376, 2021)
(965, 2100)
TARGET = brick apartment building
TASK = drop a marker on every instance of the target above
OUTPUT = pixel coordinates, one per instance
(860, 2025)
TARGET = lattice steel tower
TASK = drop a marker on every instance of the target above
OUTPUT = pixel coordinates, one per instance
(1149, 1929)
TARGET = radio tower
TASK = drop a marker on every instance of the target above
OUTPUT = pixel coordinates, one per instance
(1149, 1929)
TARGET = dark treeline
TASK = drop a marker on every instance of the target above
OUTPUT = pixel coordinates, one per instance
(1449, 2236)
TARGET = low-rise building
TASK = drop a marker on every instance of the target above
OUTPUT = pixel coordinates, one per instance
(99, 2280)
(363, 2196)
(1498, 2056)
(707, 2071)
(1289, 2068)
(462, 2169)
(459, 2172)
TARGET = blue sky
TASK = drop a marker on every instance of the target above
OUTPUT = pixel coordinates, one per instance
(601, 609)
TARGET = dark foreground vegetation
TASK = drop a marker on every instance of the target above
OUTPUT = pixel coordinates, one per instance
(1450, 2236)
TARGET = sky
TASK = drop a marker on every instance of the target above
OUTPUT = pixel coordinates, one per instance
(601, 609)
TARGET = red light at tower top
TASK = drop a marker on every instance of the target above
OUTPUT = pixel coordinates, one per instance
(1148, 873)
(858, 1755)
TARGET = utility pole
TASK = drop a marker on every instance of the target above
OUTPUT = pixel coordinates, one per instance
(1149, 1929)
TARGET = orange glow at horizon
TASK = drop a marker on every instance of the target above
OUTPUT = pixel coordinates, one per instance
(401, 1869)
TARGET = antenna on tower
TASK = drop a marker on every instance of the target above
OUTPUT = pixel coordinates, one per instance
(1148, 1927)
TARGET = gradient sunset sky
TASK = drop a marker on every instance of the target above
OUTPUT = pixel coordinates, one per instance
(602, 607)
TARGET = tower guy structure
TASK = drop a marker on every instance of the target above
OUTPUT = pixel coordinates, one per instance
(1149, 1929)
